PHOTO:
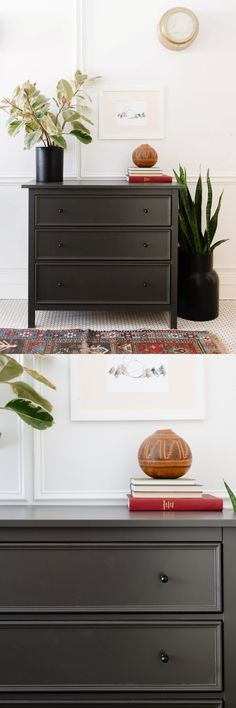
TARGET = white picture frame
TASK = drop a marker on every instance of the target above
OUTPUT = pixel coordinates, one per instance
(135, 113)
(93, 398)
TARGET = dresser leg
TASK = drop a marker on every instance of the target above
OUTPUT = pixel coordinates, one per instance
(173, 320)
(31, 318)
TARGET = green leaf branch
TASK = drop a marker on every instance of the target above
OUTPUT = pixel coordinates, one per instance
(192, 237)
(29, 110)
(28, 404)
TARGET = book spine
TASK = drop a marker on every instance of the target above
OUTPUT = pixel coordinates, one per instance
(158, 178)
(170, 504)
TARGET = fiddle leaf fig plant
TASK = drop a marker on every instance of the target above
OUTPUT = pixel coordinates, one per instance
(193, 238)
(31, 111)
(27, 403)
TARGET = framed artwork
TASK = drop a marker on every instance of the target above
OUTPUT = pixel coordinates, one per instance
(136, 387)
(134, 114)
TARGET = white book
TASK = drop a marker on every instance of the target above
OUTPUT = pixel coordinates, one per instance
(154, 481)
(140, 488)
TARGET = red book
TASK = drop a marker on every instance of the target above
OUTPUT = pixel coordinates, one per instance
(204, 503)
(146, 178)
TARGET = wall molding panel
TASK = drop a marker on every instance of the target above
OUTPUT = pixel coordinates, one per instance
(19, 495)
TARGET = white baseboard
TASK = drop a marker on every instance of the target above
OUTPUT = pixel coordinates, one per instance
(13, 283)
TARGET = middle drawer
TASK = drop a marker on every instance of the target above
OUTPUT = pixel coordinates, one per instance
(110, 577)
(103, 244)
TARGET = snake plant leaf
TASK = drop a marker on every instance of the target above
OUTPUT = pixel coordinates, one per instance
(82, 136)
(9, 369)
(198, 203)
(39, 377)
(23, 390)
(196, 235)
(218, 243)
(231, 496)
(183, 227)
(214, 219)
(32, 414)
(208, 212)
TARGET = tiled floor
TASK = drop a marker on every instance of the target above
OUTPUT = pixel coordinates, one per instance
(13, 313)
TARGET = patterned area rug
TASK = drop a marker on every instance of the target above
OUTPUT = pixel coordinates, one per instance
(75, 341)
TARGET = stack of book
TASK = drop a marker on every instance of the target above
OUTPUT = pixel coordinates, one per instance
(147, 174)
(182, 494)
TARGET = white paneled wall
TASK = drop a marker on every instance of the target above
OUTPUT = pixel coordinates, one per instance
(91, 461)
(117, 39)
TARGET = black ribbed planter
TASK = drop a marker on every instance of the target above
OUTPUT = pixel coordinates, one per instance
(198, 287)
(49, 164)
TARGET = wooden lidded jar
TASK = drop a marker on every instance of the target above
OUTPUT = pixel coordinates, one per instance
(144, 156)
(165, 455)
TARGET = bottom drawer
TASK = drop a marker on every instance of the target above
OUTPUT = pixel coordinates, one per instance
(98, 284)
(110, 655)
(104, 701)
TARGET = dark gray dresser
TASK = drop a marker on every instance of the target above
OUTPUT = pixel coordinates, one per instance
(100, 607)
(103, 245)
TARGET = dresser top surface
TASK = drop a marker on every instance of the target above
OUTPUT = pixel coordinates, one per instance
(108, 516)
(112, 184)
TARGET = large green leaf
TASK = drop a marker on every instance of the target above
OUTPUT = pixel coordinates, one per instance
(9, 369)
(30, 413)
(80, 78)
(59, 141)
(77, 125)
(82, 136)
(70, 115)
(13, 127)
(32, 138)
(64, 91)
(39, 377)
(23, 390)
(231, 495)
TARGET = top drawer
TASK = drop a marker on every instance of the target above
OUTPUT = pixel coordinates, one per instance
(110, 577)
(84, 209)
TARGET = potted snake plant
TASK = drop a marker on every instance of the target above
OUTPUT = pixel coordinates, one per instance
(29, 110)
(198, 282)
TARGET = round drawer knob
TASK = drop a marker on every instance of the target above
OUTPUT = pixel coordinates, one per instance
(164, 658)
(145, 211)
(164, 578)
(145, 285)
(60, 244)
(59, 284)
(145, 245)
(60, 211)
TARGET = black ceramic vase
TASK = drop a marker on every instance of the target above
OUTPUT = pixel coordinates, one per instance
(49, 164)
(198, 287)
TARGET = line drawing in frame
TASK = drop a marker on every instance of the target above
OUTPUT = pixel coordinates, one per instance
(127, 113)
(180, 395)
